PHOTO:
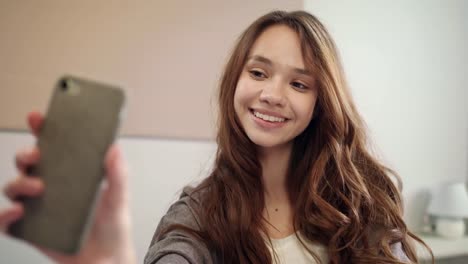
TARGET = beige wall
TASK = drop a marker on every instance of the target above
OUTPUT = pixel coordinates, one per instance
(167, 54)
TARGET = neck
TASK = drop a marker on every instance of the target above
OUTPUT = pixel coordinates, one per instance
(275, 163)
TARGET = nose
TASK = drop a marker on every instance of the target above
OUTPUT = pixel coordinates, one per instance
(273, 94)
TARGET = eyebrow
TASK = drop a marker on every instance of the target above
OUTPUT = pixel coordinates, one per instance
(270, 63)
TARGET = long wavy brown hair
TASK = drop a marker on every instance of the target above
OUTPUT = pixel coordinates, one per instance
(342, 196)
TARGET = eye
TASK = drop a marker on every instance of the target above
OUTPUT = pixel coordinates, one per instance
(257, 74)
(299, 85)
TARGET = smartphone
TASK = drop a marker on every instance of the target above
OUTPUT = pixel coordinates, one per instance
(81, 123)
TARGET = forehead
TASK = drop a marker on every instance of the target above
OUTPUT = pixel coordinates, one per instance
(280, 44)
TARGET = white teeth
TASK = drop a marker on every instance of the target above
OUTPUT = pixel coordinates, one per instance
(269, 118)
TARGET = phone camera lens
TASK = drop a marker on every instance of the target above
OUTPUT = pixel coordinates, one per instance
(64, 85)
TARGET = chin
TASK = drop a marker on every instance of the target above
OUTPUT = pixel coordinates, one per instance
(266, 142)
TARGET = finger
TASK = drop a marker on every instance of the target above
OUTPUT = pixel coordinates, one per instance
(116, 174)
(24, 186)
(27, 158)
(10, 215)
(35, 120)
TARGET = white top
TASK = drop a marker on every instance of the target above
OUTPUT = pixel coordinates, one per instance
(291, 251)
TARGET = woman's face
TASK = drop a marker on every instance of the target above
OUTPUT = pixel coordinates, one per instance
(275, 95)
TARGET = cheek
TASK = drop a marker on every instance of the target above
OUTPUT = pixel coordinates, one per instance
(242, 94)
(239, 99)
(307, 110)
(236, 101)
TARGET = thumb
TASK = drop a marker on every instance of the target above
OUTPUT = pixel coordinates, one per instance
(116, 175)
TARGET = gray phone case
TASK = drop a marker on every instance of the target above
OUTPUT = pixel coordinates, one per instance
(80, 124)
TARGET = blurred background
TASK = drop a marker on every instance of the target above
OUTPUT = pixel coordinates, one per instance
(406, 62)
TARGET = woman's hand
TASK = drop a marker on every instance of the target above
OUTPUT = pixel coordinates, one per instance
(110, 238)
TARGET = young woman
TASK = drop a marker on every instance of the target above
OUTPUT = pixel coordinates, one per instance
(293, 180)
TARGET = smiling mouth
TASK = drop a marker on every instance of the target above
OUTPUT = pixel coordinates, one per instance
(268, 118)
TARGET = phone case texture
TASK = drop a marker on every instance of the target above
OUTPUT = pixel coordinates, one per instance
(81, 123)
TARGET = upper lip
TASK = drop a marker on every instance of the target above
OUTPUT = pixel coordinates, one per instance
(269, 113)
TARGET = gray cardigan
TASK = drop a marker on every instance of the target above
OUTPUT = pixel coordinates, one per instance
(177, 247)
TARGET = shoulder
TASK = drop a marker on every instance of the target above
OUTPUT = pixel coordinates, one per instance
(183, 212)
